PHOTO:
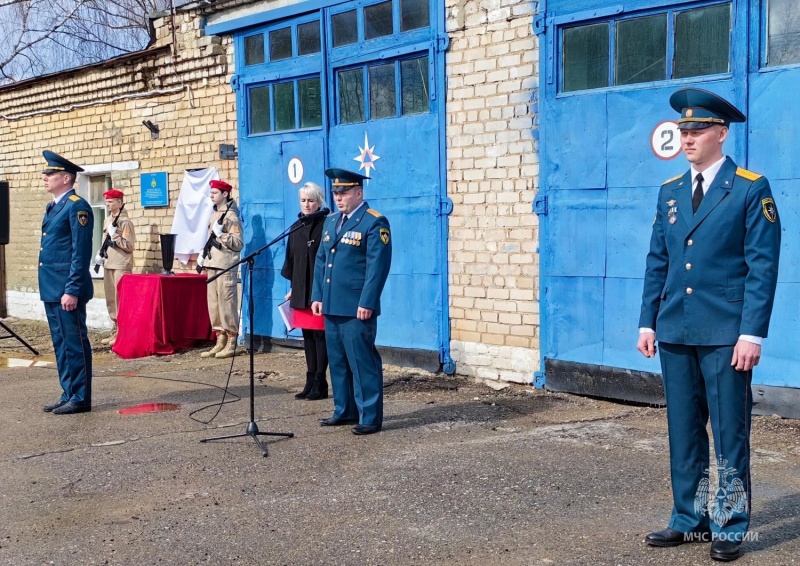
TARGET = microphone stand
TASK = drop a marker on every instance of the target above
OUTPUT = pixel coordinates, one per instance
(252, 428)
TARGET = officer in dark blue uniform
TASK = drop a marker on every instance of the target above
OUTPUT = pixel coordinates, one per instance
(351, 268)
(709, 287)
(65, 284)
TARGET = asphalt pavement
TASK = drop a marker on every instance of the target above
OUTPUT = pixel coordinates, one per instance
(461, 474)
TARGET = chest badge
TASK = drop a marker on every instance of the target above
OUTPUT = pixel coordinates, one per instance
(672, 212)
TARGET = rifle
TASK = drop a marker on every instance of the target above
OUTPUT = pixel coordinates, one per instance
(107, 242)
(212, 241)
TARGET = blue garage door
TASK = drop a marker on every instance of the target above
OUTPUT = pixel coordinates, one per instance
(773, 125)
(353, 85)
(282, 112)
(609, 73)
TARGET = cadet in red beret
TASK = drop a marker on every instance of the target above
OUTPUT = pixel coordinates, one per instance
(116, 254)
(220, 252)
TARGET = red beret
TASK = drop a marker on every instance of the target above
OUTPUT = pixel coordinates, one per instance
(221, 185)
(113, 193)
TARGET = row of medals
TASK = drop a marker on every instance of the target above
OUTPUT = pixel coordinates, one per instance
(673, 210)
(352, 238)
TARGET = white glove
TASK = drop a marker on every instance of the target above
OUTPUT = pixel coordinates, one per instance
(200, 260)
(111, 230)
(217, 229)
(99, 260)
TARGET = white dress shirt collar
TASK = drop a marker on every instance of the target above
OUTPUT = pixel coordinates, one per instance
(57, 199)
(708, 175)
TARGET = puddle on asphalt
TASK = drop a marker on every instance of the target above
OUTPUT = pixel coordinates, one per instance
(22, 362)
(149, 408)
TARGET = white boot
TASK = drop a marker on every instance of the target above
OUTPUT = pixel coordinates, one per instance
(222, 339)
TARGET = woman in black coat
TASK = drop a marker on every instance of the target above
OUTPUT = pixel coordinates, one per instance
(299, 269)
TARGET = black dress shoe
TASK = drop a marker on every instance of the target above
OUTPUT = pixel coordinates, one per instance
(366, 428)
(52, 406)
(336, 422)
(725, 550)
(70, 408)
(671, 537)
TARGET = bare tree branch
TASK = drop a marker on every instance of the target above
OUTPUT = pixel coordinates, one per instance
(46, 36)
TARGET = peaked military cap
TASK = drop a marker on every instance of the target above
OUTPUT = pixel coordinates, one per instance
(56, 164)
(701, 109)
(344, 180)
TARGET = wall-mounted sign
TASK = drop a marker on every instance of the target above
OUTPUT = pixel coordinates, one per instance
(665, 141)
(295, 170)
(155, 190)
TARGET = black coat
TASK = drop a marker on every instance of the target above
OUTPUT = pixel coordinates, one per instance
(299, 264)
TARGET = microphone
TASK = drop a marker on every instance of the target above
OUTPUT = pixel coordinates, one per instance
(317, 214)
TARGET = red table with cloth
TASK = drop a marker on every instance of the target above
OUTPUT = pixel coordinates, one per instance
(158, 314)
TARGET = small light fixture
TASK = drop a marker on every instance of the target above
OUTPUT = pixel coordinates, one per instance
(227, 151)
(153, 129)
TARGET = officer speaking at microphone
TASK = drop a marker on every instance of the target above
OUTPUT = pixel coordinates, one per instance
(65, 284)
(709, 287)
(351, 269)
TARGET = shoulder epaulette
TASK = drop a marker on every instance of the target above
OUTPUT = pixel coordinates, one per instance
(672, 179)
(749, 175)
(74, 198)
(374, 213)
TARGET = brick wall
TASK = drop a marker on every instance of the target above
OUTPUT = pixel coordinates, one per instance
(493, 170)
(93, 116)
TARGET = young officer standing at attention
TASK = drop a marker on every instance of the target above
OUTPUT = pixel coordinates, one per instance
(222, 251)
(709, 286)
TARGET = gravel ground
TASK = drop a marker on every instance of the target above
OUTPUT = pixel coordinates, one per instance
(461, 473)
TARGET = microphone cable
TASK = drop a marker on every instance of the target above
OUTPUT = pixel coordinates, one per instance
(225, 391)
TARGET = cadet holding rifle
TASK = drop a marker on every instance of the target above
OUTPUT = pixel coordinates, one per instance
(220, 252)
(116, 254)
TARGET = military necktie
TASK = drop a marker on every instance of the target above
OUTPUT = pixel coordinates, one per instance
(697, 196)
(342, 223)
(50, 206)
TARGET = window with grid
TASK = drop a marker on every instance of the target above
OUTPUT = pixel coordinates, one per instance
(383, 90)
(783, 32)
(379, 20)
(295, 40)
(647, 48)
(286, 105)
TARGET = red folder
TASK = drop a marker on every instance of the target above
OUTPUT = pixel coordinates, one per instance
(303, 318)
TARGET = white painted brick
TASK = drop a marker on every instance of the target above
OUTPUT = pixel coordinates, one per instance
(478, 360)
(486, 373)
(516, 377)
(29, 306)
